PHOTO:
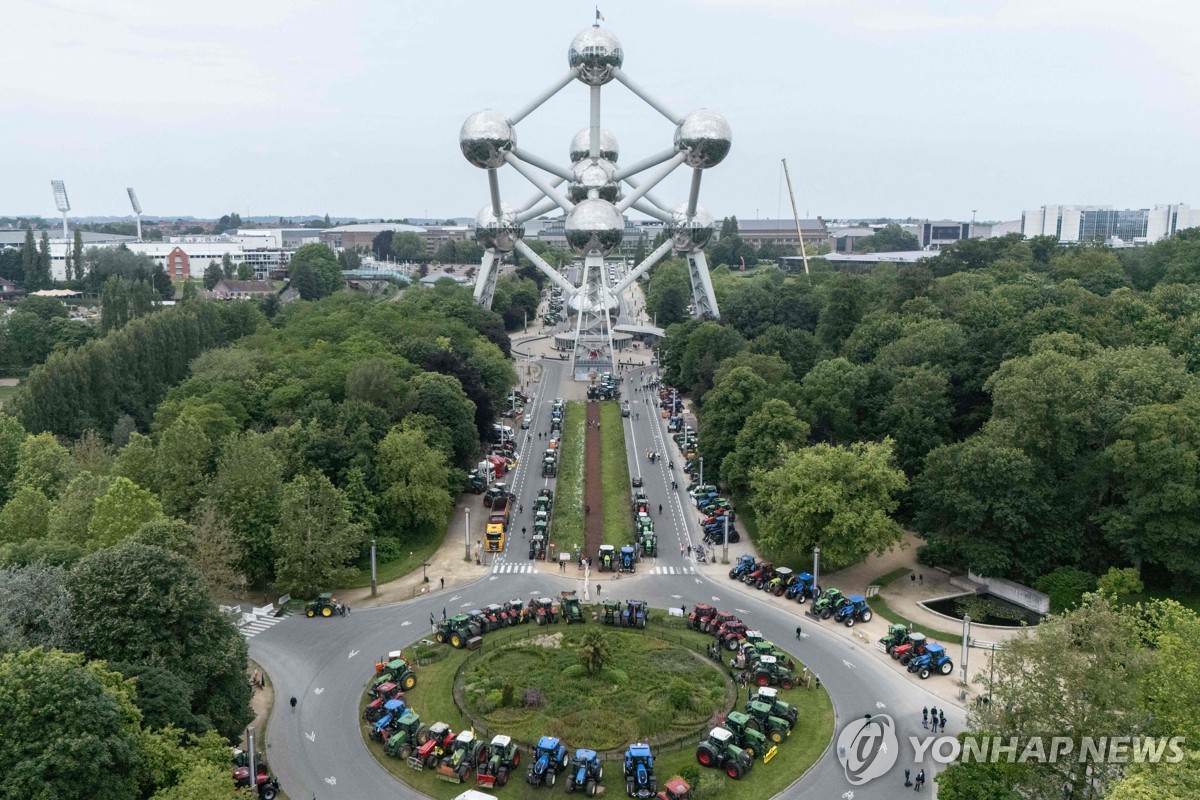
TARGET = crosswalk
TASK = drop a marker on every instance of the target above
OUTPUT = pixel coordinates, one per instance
(673, 571)
(502, 567)
(260, 624)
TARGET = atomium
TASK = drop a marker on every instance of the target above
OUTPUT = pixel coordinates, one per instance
(581, 145)
(500, 234)
(594, 226)
(593, 178)
(693, 233)
(705, 137)
(485, 137)
(595, 52)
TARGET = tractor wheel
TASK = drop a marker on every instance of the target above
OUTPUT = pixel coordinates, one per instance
(732, 574)
(456, 640)
(750, 749)
(733, 769)
(904, 659)
(590, 789)
(629, 788)
(502, 776)
(267, 792)
(326, 611)
(923, 672)
(404, 752)
(550, 776)
(762, 679)
(309, 612)
(570, 784)
(888, 648)
(754, 725)
(430, 762)
(705, 756)
(439, 637)
(786, 683)
(775, 736)
(541, 620)
(850, 621)
(463, 772)
(422, 735)
(600, 773)
(827, 613)
(408, 682)
(865, 616)
(946, 667)
(731, 644)
(517, 759)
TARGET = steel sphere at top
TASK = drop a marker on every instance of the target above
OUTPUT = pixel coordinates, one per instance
(705, 137)
(595, 52)
(693, 233)
(594, 226)
(581, 145)
(500, 234)
(485, 137)
(593, 175)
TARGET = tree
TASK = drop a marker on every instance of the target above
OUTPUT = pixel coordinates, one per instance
(442, 397)
(831, 399)
(838, 498)
(889, 239)
(25, 516)
(72, 510)
(768, 433)
(45, 751)
(1120, 583)
(137, 461)
(29, 263)
(381, 245)
(214, 552)
(34, 608)
(314, 539)
(593, 651)
(43, 464)
(227, 268)
(45, 277)
(245, 272)
(408, 246)
(842, 311)
(12, 436)
(707, 346)
(183, 458)
(77, 256)
(739, 393)
(120, 511)
(917, 415)
(314, 269)
(244, 495)
(114, 304)
(303, 279)
(148, 606)
(413, 479)
(212, 275)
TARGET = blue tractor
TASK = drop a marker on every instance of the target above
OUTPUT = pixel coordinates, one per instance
(855, 610)
(627, 558)
(549, 759)
(634, 615)
(586, 771)
(639, 771)
(744, 564)
(934, 659)
(803, 589)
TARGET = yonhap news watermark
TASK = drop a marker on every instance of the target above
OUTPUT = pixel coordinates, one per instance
(868, 748)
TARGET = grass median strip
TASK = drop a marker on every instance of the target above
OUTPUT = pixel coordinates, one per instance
(614, 467)
(567, 530)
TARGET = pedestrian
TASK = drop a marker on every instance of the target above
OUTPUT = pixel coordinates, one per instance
(681, 551)
(942, 720)
(443, 612)
(933, 712)
(520, 508)
(522, 531)
(342, 610)
(660, 509)
(798, 636)
(597, 591)
(907, 782)
(912, 577)
(347, 607)
(920, 780)
(587, 509)
(921, 579)
(443, 583)
(293, 702)
(925, 717)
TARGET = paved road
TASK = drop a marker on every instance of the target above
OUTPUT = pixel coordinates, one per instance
(318, 749)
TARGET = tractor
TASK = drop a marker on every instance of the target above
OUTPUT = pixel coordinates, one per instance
(897, 635)
(500, 760)
(572, 611)
(915, 646)
(934, 659)
(641, 503)
(612, 612)
(544, 611)
(482, 621)
(326, 605)
(635, 614)
(742, 566)
(549, 467)
(627, 559)
(802, 589)
(784, 577)
(855, 610)
(545, 497)
(732, 635)
(465, 753)
(440, 740)
(769, 672)
(585, 772)
(476, 482)
(829, 602)
(676, 789)
(494, 492)
(382, 728)
(761, 719)
(408, 735)
(456, 630)
(497, 612)
(744, 735)
(762, 569)
(267, 784)
(549, 759)
(516, 610)
(399, 672)
(639, 771)
(719, 751)
(700, 614)
(607, 558)
(537, 546)
(383, 703)
(770, 697)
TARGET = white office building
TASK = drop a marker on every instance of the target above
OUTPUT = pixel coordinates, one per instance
(1070, 223)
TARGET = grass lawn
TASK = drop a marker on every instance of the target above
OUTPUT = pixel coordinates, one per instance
(433, 700)
(614, 465)
(879, 606)
(6, 392)
(397, 567)
(566, 527)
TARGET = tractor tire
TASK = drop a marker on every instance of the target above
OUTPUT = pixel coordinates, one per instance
(850, 621)
(758, 585)
(517, 759)
(946, 667)
(904, 659)
(550, 777)
(732, 574)
(326, 612)
(731, 644)
(541, 620)
(754, 725)
(570, 784)
(779, 592)
(733, 769)
(705, 756)
(888, 648)
(430, 762)
(629, 788)
(762, 679)
(267, 793)
(865, 616)
(502, 776)
(827, 613)
(600, 773)
(439, 637)
(786, 683)
(802, 598)
(775, 736)
(642, 624)
(456, 640)
(310, 613)
(750, 749)
(463, 772)
(422, 735)
(923, 672)
(589, 788)
(408, 682)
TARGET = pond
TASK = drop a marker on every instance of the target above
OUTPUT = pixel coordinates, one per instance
(984, 608)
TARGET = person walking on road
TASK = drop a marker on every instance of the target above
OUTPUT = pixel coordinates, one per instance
(660, 509)
(925, 717)
(942, 720)
(293, 702)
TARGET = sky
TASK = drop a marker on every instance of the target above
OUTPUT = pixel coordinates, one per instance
(926, 108)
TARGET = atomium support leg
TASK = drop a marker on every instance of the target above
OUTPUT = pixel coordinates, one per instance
(547, 270)
(485, 282)
(593, 352)
(703, 299)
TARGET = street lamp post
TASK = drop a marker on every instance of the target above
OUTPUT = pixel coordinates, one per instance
(816, 571)
(966, 646)
(701, 470)
(374, 582)
(725, 551)
(467, 536)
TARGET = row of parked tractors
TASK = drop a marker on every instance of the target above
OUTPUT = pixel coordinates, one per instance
(459, 629)
(543, 511)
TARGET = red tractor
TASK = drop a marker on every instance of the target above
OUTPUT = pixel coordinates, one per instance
(437, 745)
(915, 646)
(701, 615)
(732, 635)
(544, 611)
(676, 789)
(518, 611)
(717, 621)
(266, 783)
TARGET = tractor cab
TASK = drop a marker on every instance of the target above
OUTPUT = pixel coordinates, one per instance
(676, 789)
(774, 727)
(407, 735)
(326, 605)
(440, 739)
(745, 735)
(897, 635)
(915, 646)
(496, 490)
(465, 751)
(769, 672)
(546, 495)
(607, 558)
(828, 603)
(496, 611)
(700, 614)
(782, 580)
(934, 659)
(537, 546)
(480, 620)
(385, 691)
(720, 750)
(549, 759)
(501, 758)
(639, 771)
(634, 615)
(612, 612)
(742, 566)
(516, 609)
(769, 696)
(801, 588)
(627, 559)
(569, 605)
(586, 772)
(544, 611)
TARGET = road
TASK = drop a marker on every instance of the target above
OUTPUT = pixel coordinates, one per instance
(317, 750)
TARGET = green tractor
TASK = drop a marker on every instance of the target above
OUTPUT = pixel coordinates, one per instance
(501, 760)
(720, 751)
(326, 605)
(612, 612)
(778, 708)
(761, 719)
(407, 736)
(544, 501)
(397, 671)
(769, 672)
(456, 631)
(465, 752)
(607, 558)
(745, 735)
(649, 542)
(897, 635)
(537, 546)
(828, 603)
(572, 611)
(549, 465)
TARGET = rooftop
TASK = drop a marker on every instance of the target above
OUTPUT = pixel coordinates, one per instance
(749, 225)
(373, 227)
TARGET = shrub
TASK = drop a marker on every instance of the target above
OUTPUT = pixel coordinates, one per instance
(533, 698)
(680, 695)
(1066, 587)
(506, 695)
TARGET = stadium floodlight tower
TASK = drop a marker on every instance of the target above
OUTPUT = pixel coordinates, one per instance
(593, 200)
(61, 202)
(137, 210)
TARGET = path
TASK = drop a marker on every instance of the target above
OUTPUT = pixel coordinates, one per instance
(593, 483)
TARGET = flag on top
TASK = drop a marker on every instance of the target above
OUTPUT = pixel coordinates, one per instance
(599, 16)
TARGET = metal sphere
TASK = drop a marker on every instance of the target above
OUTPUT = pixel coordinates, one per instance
(594, 225)
(690, 233)
(705, 137)
(596, 52)
(581, 145)
(499, 234)
(485, 137)
(593, 175)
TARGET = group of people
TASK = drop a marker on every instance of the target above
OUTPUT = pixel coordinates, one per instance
(933, 717)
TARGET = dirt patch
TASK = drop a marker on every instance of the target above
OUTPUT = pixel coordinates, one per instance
(593, 487)
(551, 641)
(261, 702)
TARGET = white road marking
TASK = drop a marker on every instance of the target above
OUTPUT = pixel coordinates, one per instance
(312, 737)
(331, 780)
(456, 597)
(353, 653)
(318, 690)
(848, 664)
(716, 599)
(405, 623)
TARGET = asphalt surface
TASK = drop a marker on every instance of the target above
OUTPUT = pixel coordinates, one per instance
(317, 750)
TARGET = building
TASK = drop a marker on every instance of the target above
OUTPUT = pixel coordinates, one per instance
(782, 232)
(845, 240)
(226, 289)
(858, 262)
(943, 233)
(1070, 223)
